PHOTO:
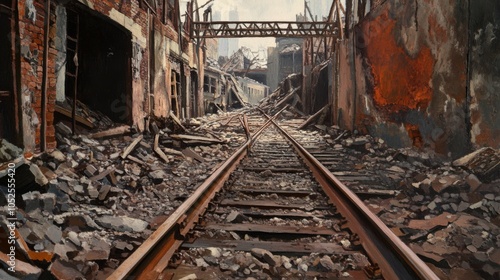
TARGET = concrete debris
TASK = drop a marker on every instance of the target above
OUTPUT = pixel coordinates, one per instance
(236, 217)
(96, 206)
(91, 200)
(9, 151)
(122, 224)
(447, 209)
(23, 269)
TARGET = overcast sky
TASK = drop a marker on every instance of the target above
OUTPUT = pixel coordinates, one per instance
(265, 10)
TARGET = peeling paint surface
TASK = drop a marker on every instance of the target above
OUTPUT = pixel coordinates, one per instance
(401, 82)
(408, 75)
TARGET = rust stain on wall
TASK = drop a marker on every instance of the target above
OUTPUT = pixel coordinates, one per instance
(414, 134)
(401, 82)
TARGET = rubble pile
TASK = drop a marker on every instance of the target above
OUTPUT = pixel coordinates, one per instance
(448, 212)
(287, 93)
(91, 202)
(260, 263)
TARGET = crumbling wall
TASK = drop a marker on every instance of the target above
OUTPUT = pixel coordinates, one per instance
(484, 72)
(127, 15)
(31, 15)
(161, 76)
(403, 75)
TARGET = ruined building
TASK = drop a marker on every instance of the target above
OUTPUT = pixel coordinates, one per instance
(130, 60)
(419, 73)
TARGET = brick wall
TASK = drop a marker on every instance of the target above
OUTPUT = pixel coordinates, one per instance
(129, 14)
(32, 16)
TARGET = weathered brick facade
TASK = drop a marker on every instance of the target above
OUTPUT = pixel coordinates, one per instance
(149, 81)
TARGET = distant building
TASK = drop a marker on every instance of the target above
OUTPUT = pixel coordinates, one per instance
(227, 46)
(283, 60)
(254, 90)
(319, 9)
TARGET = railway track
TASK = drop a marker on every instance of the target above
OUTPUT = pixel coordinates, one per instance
(273, 211)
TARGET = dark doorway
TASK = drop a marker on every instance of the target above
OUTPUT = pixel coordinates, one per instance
(193, 98)
(103, 65)
(7, 96)
(321, 90)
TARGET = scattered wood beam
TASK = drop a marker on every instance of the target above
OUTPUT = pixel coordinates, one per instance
(68, 114)
(177, 121)
(157, 149)
(120, 130)
(313, 117)
(131, 147)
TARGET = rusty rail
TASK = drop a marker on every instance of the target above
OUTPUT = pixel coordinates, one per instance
(153, 256)
(394, 258)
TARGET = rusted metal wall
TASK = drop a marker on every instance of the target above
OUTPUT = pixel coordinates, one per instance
(403, 75)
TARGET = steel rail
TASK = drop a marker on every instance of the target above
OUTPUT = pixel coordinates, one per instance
(153, 256)
(394, 258)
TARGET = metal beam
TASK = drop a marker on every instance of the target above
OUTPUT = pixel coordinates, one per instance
(232, 29)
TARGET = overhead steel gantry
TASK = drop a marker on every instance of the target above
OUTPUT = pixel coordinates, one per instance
(228, 29)
(206, 28)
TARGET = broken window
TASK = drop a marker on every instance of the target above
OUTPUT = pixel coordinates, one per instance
(209, 84)
(206, 84)
(213, 85)
(171, 12)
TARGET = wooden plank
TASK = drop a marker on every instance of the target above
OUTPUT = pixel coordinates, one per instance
(173, 152)
(68, 114)
(313, 117)
(281, 248)
(120, 130)
(279, 214)
(269, 204)
(157, 149)
(101, 175)
(177, 121)
(195, 138)
(287, 98)
(252, 191)
(136, 160)
(131, 147)
(272, 229)
(275, 169)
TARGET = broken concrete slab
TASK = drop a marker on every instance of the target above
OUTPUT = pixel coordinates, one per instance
(441, 220)
(62, 270)
(95, 250)
(32, 201)
(236, 217)
(39, 177)
(115, 131)
(54, 234)
(9, 151)
(48, 201)
(122, 223)
(23, 269)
